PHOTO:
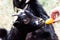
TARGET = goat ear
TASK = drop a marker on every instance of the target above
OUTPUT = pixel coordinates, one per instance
(15, 17)
(19, 12)
(27, 1)
(20, 0)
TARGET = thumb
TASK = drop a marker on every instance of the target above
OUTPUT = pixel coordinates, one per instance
(57, 19)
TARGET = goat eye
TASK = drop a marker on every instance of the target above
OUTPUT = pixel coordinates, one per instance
(27, 1)
(20, 0)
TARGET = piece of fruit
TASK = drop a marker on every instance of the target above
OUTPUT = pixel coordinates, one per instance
(49, 21)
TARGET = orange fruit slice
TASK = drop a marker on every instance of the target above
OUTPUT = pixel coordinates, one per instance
(49, 21)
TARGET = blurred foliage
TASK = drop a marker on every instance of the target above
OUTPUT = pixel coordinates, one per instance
(49, 4)
(6, 11)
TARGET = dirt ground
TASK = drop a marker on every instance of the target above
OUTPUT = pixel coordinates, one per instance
(6, 19)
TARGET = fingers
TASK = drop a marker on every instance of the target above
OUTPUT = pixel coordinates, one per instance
(54, 12)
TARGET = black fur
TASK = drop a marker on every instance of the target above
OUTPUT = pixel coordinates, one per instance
(3, 34)
(20, 29)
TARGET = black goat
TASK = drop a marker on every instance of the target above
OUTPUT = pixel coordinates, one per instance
(20, 29)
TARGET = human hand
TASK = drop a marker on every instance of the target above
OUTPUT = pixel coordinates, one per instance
(55, 12)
